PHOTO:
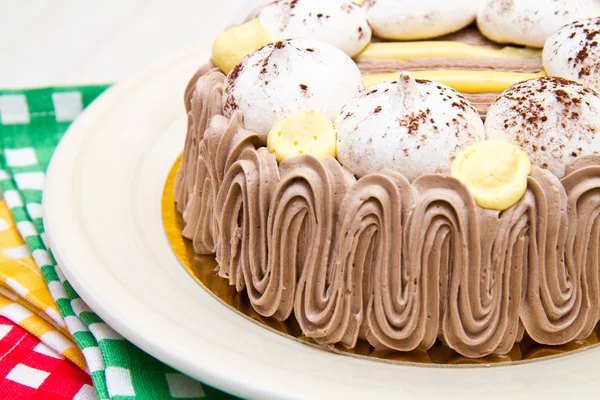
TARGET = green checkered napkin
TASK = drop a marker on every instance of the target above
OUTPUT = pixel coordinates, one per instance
(31, 124)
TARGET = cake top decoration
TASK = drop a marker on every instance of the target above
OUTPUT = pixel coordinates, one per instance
(234, 44)
(340, 23)
(554, 120)
(288, 77)
(307, 132)
(411, 126)
(495, 172)
(413, 20)
(530, 22)
(573, 52)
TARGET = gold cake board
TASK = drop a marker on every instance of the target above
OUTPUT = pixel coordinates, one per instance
(203, 270)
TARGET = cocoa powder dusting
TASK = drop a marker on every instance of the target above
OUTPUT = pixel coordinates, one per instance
(503, 6)
(413, 121)
(583, 60)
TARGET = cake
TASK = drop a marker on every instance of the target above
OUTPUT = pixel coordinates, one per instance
(337, 184)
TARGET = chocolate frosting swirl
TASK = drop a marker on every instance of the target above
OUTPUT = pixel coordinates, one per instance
(309, 196)
(376, 214)
(244, 201)
(583, 187)
(224, 141)
(468, 253)
(203, 100)
(561, 304)
(399, 264)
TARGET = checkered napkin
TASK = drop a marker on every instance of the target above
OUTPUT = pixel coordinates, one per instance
(31, 124)
(29, 369)
(24, 296)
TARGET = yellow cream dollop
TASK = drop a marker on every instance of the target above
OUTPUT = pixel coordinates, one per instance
(236, 43)
(494, 171)
(307, 132)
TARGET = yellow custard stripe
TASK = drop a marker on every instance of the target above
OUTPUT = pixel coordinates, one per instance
(441, 49)
(462, 80)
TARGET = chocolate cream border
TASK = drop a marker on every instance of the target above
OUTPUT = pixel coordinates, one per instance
(399, 264)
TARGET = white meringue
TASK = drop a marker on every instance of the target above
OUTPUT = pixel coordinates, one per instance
(289, 77)
(573, 52)
(412, 127)
(340, 23)
(552, 119)
(530, 22)
(419, 19)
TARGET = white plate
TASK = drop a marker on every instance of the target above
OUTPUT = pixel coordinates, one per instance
(103, 216)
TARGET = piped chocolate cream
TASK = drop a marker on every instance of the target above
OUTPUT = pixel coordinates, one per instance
(396, 263)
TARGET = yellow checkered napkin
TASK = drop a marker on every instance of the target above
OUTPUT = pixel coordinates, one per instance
(24, 297)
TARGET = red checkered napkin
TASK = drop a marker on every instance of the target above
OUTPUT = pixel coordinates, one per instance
(30, 370)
